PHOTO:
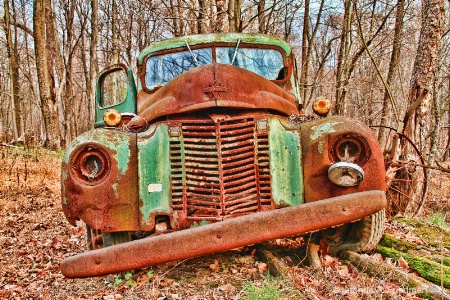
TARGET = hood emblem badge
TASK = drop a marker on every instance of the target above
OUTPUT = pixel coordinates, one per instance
(215, 89)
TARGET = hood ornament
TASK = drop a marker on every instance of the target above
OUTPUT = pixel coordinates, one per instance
(215, 89)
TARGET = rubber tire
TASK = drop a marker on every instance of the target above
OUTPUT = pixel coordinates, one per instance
(115, 238)
(108, 238)
(360, 236)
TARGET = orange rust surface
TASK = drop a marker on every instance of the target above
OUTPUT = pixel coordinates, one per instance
(225, 235)
(317, 160)
(215, 85)
(110, 205)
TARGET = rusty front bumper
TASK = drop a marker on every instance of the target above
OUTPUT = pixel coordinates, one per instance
(225, 235)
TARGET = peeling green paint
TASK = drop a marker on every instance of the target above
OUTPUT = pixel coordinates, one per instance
(320, 147)
(154, 168)
(113, 139)
(260, 39)
(322, 129)
(285, 165)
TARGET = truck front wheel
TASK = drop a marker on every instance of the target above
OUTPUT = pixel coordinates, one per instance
(361, 236)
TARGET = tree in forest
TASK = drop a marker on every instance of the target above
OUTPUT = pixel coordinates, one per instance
(423, 81)
(48, 100)
(13, 74)
(425, 67)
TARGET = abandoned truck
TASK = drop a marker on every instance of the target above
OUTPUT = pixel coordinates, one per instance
(208, 152)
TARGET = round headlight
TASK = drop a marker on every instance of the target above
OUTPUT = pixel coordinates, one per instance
(350, 148)
(90, 165)
(345, 174)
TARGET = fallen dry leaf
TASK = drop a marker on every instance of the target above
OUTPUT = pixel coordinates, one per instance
(262, 267)
(214, 266)
(402, 263)
(226, 288)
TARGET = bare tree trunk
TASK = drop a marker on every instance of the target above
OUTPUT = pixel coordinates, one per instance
(48, 106)
(393, 64)
(114, 29)
(425, 66)
(221, 25)
(423, 77)
(305, 46)
(201, 24)
(55, 61)
(34, 110)
(262, 16)
(341, 71)
(14, 75)
(234, 15)
(93, 62)
(177, 25)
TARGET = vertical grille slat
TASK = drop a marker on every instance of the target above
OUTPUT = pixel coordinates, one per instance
(220, 169)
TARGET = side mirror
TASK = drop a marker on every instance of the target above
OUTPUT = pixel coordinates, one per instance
(115, 89)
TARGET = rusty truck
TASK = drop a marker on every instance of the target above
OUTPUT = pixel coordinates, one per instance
(208, 150)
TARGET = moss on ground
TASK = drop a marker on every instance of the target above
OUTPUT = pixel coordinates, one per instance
(431, 233)
(426, 268)
(413, 249)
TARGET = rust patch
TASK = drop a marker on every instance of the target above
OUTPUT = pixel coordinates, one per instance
(319, 153)
(106, 199)
(215, 85)
(225, 235)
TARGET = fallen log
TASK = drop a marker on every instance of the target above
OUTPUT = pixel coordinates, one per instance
(383, 270)
(407, 247)
(275, 265)
(427, 269)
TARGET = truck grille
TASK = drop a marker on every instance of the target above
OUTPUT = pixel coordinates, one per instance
(220, 169)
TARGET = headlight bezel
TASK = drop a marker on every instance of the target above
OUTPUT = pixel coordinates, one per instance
(90, 164)
(358, 150)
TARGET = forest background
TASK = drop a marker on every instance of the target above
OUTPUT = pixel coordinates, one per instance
(373, 59)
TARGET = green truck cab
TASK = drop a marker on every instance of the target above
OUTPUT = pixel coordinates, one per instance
(209, 152)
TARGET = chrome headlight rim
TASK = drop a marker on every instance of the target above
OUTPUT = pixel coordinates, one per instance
(345, 174)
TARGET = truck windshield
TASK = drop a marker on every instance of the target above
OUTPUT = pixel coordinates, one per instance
(265, 62)
(161, 69)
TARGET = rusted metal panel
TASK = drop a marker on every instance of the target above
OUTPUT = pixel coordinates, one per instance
(186, 93)
(219, 168)
(285, 164)
(154, 170)
(222, 236)
(318, 140)
(107, 200)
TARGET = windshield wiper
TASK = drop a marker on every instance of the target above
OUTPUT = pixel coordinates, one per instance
(193, 55)
(235, 51)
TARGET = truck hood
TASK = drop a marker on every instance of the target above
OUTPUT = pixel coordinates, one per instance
(215, 85)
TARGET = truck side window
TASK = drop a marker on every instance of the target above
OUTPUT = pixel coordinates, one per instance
(114, 88)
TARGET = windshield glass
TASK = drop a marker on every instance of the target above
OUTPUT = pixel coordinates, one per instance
(265, 62)
(163, 68)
